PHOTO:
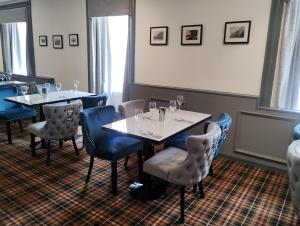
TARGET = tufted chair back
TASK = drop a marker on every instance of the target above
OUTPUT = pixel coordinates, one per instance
(126, 109)
(61, 121)
(224, 122)
(93, 119)
(7, 92)
(201, 150)
(94, 101)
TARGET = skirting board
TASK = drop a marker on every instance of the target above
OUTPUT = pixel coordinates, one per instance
(267, 138)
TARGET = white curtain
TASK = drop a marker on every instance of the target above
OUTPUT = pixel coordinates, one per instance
(107, 60)
(14, 47)
(288, 80)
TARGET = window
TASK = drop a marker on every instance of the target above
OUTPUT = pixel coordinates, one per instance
(109, 38)
(281, 80)
(14, 47)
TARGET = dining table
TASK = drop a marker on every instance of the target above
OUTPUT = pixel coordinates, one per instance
(151, 130)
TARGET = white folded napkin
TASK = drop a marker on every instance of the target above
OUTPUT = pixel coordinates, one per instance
(180, 119)
(150, 133)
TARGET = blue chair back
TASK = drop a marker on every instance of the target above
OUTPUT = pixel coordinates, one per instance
(94, 101)
(7, 92)
(296, 132)
(224, 122)
(93, 119)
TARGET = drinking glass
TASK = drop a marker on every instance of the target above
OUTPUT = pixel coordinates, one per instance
(47, 86)
(172, 105)
(179, 101)
(9, 76)
(76, 84)
(58, 88)
(24, 90)
(152, 108)
(138, 113)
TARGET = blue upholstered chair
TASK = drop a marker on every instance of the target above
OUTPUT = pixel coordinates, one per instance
(296, 132)
(105, 145)
(224, 122)
(94, 101)
(10, 112)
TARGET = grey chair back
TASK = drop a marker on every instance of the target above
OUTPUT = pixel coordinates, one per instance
(61, 120)
(201, 149)
(126, 109)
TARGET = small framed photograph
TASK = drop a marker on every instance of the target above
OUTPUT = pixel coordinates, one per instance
(57, 41)
(159, 35)
(191, 34)
(237, 32)
(73, 40)
(43, 40)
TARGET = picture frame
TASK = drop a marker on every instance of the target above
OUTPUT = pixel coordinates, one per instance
(191, 34)
(43, 40)
(159, 36)
(57, 41)
(237, 32)
(73, 40)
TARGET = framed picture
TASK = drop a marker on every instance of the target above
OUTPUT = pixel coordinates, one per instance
(237, 32)
(57, 41)
(43, 40)
(191, 34)
(159, 36)
(73, 40)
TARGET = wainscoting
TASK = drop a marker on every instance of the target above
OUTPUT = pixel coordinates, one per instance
(257, 136)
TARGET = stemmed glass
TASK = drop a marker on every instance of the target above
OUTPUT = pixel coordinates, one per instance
(179, 101)
(172, 105)
(9, 76)
(76, 84)
(152, 108)
(24, 90)
(138, 114)
(47, 86)
(58, 88)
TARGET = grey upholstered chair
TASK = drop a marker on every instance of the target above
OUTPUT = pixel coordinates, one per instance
(185, 168)
(61, 124)
(293, 157)
(127, 110)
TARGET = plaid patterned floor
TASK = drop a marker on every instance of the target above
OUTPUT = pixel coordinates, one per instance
(33, 194)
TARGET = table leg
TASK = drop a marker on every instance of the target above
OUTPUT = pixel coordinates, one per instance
(154, 190)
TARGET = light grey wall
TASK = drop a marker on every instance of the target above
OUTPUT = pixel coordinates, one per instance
(258, 137)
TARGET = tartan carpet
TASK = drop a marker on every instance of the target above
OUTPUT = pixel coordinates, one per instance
(33, 194)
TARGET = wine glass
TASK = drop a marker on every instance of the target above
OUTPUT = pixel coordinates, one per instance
(9, 76)
(172, 105)
(24, 90)
(58, 88)
(138, 113)
(179, 101)
(152, 108)
(76, 84)
(47, 86)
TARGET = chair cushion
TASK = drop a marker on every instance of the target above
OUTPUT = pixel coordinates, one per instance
(165, 161)
(36, 128)
(113, 147)
(17, 113)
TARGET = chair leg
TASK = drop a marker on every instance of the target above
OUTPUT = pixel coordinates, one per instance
(32, 144)
(8, 131)
(90, 169)
(48, 152)
(201, 192)
(211, 172)
(195, 188)
(181, 218)
(60, 143)
(126, 162)
(140, 164)
(20, 125)
(114, 175)
(74, 144)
